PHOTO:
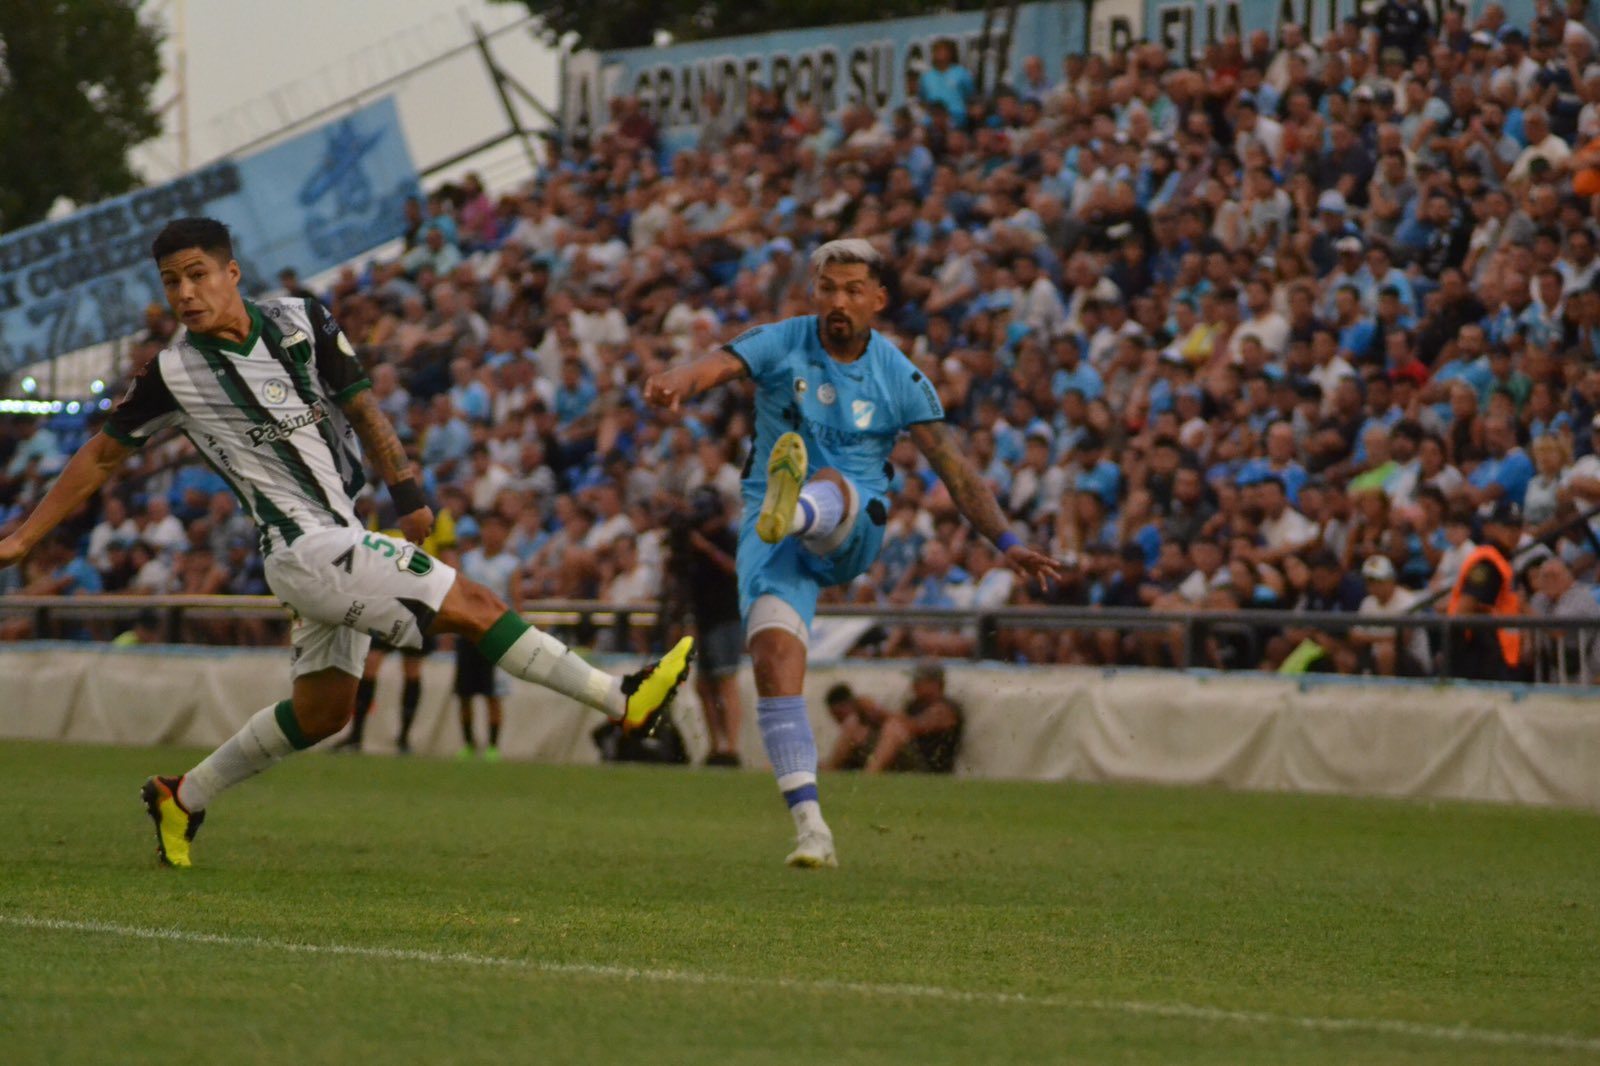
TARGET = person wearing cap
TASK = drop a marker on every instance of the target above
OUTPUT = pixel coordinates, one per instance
(1334, 225)
(1383, 650)
(924, 737)
(1348, 270)
(1486, 586)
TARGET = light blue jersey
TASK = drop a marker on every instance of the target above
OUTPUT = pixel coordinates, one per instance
(849, 414)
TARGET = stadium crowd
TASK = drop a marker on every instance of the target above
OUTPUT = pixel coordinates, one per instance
(1283, 327)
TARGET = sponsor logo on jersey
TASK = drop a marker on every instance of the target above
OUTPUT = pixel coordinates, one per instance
(826, 393)
(275, 391)
(861, 412)
(280, 430)
(220, 454)
(832, 436)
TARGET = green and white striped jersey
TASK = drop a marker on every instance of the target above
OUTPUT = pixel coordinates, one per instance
(265, 413)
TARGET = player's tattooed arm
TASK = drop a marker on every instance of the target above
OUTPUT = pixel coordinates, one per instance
(967, 488)
(973, 499)
(388, 456)
(378, 440)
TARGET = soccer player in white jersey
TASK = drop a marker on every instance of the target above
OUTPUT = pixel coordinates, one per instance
(830, 392)
(273, 397)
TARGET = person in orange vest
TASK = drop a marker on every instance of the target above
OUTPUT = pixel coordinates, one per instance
(1487, 585)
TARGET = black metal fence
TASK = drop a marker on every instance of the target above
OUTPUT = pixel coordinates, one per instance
(1555, 650)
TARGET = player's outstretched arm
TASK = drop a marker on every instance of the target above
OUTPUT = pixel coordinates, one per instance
(972, 498)
(671, 388)
(88, 469)
(388, 456)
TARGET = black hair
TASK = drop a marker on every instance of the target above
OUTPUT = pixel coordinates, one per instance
(181, 234)
(1322, 559)
(838, 694)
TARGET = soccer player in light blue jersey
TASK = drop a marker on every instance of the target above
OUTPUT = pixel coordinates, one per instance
(832, 397)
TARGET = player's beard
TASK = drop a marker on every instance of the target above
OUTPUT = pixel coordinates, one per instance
(840, 331)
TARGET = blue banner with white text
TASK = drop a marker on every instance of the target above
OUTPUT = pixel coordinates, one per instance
(309, 203)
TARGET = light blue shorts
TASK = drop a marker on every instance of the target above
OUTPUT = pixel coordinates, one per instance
(793, 573)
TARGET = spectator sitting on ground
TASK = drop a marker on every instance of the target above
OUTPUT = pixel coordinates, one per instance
(925, 737)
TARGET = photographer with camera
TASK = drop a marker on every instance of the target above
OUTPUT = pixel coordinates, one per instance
(703, 542)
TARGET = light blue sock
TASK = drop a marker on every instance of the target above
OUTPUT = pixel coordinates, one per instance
(819, 510)
(787, 733)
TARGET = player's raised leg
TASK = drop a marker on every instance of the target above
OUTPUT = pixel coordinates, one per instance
(637, 700)
(793, 506)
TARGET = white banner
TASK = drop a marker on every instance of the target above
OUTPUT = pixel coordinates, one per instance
(1459, 742)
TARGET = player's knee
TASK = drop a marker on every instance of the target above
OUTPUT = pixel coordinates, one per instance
(470, 609)
(778, 661)
(830, 475)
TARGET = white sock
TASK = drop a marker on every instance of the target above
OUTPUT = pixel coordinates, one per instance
(262, 742)
(536, 656)
(819, 510)
(807, 816)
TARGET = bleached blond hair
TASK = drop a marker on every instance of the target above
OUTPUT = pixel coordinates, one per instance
(846, 251)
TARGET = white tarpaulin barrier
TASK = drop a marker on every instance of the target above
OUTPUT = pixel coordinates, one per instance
(1047, 723)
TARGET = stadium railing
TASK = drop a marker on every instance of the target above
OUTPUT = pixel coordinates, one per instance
(1559, 650)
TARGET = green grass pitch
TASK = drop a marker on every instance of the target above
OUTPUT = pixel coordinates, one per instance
(348, 910)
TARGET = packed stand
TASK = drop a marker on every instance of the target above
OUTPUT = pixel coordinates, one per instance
(1295, 326)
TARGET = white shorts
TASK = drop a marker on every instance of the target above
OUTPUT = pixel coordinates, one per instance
(346, 586)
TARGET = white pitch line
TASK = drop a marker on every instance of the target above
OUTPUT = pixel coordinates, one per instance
(1462, 1034)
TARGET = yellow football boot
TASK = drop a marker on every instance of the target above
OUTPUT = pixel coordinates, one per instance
(786, 472)
(175, 826)
(650, 690)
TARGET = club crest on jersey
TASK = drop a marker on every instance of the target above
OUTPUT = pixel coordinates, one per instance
(861, 412)
(275, 391)
(826, 393)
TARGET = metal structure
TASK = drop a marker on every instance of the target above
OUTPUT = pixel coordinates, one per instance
(1558, 648)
